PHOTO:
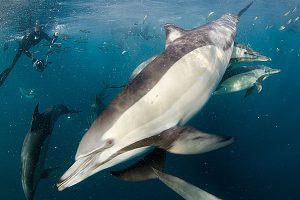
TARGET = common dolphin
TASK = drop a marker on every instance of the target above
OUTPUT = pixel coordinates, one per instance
(35, 147)
(151, 166)
(165, 94)
(244, 78)
(240, 53)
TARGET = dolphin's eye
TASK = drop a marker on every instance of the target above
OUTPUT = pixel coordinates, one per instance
(110, 141)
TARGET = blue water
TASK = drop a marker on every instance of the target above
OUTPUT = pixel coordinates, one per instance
(263, 162)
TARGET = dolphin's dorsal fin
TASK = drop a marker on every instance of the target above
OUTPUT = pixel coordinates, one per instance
(36, 111)
(172, 33)
(35, 118)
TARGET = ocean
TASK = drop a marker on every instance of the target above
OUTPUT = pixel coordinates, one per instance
(101, 44)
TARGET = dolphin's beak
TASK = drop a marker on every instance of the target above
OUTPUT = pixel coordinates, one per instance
(262, 58)
(76, 173)
(275, 71)
(86, 166)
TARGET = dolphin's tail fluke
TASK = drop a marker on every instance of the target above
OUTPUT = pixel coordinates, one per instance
(151, 167)
(244, 9)
(4, 75)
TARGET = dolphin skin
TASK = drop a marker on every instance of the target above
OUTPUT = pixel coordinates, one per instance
(165, 94)
(35, 147)
(240, 53)
(244, 78)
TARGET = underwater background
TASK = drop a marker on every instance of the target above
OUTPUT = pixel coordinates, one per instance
(102, 43)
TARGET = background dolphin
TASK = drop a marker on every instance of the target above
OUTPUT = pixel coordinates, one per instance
(165, 94)
(242, 53)
(35, 147)
(244, 78)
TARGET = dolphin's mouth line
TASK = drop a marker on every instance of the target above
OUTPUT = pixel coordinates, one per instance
(76, 172)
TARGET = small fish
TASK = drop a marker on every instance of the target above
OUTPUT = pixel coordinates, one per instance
(296, 19)
(255, 18)
(277, 49)
(123, 52)
(290, 20)
(145, 17)
(282, 28)
(287, 13)
(210, 14)
(294, 9)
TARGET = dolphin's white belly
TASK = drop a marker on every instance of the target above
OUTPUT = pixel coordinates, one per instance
(178, 95)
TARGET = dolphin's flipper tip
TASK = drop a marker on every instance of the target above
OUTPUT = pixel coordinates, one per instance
(245, 9)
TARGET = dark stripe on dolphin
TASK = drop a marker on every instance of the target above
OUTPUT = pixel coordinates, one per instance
(150, 75)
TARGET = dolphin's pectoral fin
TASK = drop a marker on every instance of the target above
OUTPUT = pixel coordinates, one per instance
(258, 87)
(143, 169)
(151, 167)
(172, 33)
(187, 141)
(258, 83)
(48, 172)
(183, 188)
(249, 91)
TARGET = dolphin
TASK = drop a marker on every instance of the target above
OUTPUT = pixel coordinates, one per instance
(35, 146)
(150, 167)
(4, 74)
(244, 78)
(240, 53)
(166, 93)
(30, 94)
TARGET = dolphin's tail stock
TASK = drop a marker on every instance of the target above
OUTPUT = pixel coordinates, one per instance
(244, 9)
(151, 168)
(4, 75)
